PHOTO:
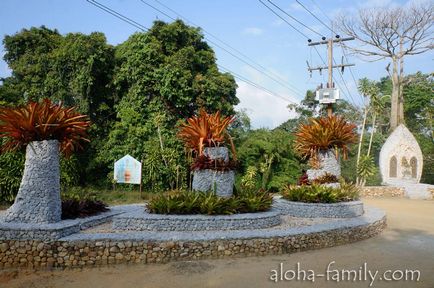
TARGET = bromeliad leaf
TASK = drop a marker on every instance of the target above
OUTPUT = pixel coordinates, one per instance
(43, 121)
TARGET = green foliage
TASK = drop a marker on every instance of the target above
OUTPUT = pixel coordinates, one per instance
(190, 202)
(163, 77)
(366, 168)
(11, 171)
(270, 152)
(321, 193)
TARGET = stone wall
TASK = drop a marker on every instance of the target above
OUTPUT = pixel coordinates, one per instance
(314, 210)
(64, 254)
(382, 191)
(141, 220)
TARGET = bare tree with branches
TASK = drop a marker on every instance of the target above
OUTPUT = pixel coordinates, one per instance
(392, 33)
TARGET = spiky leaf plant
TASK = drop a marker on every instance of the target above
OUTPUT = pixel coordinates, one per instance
(44, 120)
(206, 130)
(331, 132)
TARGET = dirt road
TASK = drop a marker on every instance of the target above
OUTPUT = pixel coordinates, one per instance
(407, 243)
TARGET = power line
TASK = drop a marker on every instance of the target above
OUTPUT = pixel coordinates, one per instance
(345, 84)
(114, 13)
(242, 78)
(337, 83)
(225, 43)
(118, 15)
(292, 89)
(341, 44)
(283, 19)
(310, 12)
(295, 19)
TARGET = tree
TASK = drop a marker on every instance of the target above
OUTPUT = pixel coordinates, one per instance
(392, 33)
(310, 107)
(270, 153)
(75, 69)
(162, 77)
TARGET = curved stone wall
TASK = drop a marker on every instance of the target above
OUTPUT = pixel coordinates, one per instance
(315, 210)
(80, 250)
(141, 220)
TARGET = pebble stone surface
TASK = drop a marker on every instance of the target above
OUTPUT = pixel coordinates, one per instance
(115, 246)
(221, 182)
(328, 164)
(38, 198)
(141, 220)
(314, 210)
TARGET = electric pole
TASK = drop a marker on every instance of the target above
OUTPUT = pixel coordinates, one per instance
(330, 85)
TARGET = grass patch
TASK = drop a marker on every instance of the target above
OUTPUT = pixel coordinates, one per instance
(124, 195)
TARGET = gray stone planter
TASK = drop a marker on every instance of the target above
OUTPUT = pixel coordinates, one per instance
(38, 199)
(141, 220)
(220, 182)
(328, 164)
(320, 210)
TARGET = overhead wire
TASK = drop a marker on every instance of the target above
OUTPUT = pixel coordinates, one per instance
(262, 70)
(242, 78)
(224, 43)
(141, 27)
(118, 15)
(295, 19)
(341, 44)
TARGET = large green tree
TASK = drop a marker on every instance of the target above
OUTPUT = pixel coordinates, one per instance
(162, 77)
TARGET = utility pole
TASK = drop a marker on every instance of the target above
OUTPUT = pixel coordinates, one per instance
(330, 67)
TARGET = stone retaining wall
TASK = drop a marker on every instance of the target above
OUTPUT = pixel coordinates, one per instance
(315, 210)
(63, 254)
(143, 221)
(382, 191)
(54, 231)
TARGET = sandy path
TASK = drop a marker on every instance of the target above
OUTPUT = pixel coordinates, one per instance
(408, 243)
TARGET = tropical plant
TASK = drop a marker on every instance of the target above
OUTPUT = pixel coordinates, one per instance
(190, 202)
(320, 193)
(326, 178)
(44, 120)
(331, 132)
(206, 130)
(365, 168)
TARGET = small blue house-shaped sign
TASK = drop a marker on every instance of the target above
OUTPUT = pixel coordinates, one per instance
(128, 170)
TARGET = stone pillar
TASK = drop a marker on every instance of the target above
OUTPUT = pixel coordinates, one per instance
(221, 182)
(328, 164)
(38, 199)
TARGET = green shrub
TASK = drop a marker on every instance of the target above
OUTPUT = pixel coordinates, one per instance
(321, 194)
(190, 202)
(11, 171)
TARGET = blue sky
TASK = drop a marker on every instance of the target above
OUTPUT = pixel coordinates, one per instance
(244, 24)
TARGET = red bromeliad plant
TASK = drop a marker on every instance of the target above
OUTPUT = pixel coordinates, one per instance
(331, 132)
(206, 130)
(43, 121)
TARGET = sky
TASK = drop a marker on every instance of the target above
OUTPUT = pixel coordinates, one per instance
(277, 51)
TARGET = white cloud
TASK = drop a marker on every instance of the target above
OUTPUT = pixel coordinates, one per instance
(264, 110)
(253, 31)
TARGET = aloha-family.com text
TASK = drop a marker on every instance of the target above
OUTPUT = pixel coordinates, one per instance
(331, 273)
